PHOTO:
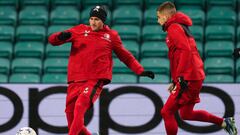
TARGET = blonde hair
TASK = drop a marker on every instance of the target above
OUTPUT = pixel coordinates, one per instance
(167, 8)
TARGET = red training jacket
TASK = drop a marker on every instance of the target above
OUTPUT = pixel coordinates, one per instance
(183, 54)
(91, 53)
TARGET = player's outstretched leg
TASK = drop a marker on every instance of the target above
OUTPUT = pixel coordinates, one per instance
(230, 126)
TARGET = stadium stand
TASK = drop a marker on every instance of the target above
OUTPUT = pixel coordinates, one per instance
(58, 51)
(4, 66)
(54, 78)
(27, 65)
(8, 16)
(32, 15)
(3, 78)
(124, 78)
(6, 50)
(24, 78)
(55, 65)
(31, 49)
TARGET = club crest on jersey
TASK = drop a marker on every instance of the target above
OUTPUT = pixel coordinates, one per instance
(106, 36)
(167, 40)
(86, 32)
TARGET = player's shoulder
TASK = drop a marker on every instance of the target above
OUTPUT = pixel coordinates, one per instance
(175, 27)
(111, 31)
(80, 26)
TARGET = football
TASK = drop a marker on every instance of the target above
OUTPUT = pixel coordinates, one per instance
(26, 131)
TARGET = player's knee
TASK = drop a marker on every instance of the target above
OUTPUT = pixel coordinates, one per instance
(82, 106)
(185, 115)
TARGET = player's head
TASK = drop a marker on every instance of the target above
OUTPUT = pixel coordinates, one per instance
(98, 16)
(165, 11)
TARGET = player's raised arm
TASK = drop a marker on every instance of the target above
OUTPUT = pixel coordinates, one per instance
(127, 58)
(59, 38)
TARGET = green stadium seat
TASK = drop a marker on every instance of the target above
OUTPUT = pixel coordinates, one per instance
(153, 33)
(128, 32)
(12, 3)
(8, 15)
(150, 16)
(24, 78)
(3, 78)
(33, 15)
(238, 45)
(7, 33)
(132, 46)
(55, 65)
(221, 15)
(31, 33)
(154, 3)
(120, 67)
(58, 51)
(159, 78)
(26, 65)
(54, 78)
(192, 4)
(220, 32)
(197, 32)
(29, 49)
(238, 67)
(200, 48)
(65, 15)
(92, 3)
(136, 3)
(197, 15)
(238, 79)
(43, 3)
(57, 28)
(56, 3)
(127, 15)
(224, 3)
(219, 49)
(219, 65)
(238, 16)
(157, 65)
(4, 66)
(124, 78)
(238, 33)
(219, 78)
(154, 49)
(85, 16)
(6, 50)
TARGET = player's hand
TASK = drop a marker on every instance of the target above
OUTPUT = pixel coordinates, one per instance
(149, 74)
(236, 53)
(172, 88)
(183, 83)
(63, 36)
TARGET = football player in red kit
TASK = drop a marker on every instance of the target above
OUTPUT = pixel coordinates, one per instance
(187, 72)
(90, 65)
